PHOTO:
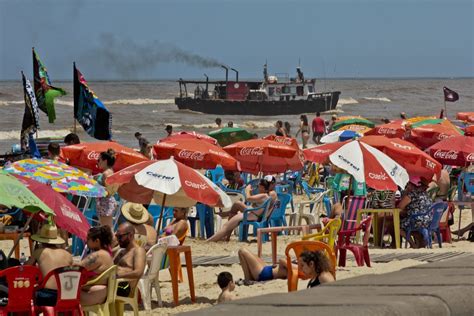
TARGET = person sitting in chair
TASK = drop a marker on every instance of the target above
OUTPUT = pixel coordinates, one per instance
(179, 225)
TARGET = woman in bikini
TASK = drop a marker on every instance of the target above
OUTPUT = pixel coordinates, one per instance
(255, 269)
(106, 205)
(316, 266)
(99, 240)
(304, 129)
(265, 190)
(179, 225)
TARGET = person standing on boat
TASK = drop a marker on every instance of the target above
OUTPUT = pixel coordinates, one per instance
(318, 126)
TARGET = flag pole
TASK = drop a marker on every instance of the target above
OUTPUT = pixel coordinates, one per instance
(445, 111)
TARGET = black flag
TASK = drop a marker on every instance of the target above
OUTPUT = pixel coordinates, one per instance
(31, 116)
(450, 95)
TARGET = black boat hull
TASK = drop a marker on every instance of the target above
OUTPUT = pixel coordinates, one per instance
(321, 102)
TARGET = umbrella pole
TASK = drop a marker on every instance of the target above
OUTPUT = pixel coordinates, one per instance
(17, 241)
(161, 213)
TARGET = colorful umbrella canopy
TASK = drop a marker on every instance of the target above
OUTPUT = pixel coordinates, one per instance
(426, 122)
(67, 216)
(61, 177)
(368, 164)
(85, 155)
(361, 129)
(428, 135)
(13, 193)
(320, 154)
(262, 155)
(196, 154)
(454, 151)
(167, 180)
(356, 120)
(229, 135)
(339, 135)
(189, 135)
(392, 130)
(414, 160)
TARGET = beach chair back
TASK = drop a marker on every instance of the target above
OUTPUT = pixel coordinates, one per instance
(352, 205)
(69, 281)
(157, 252)
(277, 217)
(111, 276)
(297, 248)
(21, 282)
(328, 234)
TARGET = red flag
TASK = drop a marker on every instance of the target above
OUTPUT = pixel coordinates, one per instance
(450, 95)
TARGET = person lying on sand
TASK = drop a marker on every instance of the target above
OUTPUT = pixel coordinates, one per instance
(255, 269)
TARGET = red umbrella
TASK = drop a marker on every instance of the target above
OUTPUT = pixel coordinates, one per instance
(320, 154)
(196, 154)
(85, 155)
(391, 130)
(428, 135)
(289, 141)
(455, 151)
(67, 216)
(262, 155)
(414, 160)
(189, 135)
(469, 131)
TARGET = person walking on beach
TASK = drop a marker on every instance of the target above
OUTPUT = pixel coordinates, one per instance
(169, 130)
(142, 141)
(304, 129)
(219, 123)
(280, 130)
(331, 123)
(318, 126)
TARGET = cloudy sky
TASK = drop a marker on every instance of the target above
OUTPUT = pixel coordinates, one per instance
(158, 39)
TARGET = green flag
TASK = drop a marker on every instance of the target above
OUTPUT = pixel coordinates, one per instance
(45, 92)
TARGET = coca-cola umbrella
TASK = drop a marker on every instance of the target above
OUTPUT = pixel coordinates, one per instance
(428, 135)
(189, 135)
(289, 141)
(85, 155)
(168, 183)
(320, 154)
(66, 215)
(454, 151)
(368, 164)
(392, 130)
(267, 156)
(414, 160)
(196, 154)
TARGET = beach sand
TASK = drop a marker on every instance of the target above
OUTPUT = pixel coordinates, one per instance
(205, 277)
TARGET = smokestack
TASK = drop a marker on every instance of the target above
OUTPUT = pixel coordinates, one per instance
(236, 74)
(226, 72)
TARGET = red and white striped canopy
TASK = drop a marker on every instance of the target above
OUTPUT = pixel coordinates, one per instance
(370, 165)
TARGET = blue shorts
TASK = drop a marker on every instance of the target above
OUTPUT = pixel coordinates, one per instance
(266, 274)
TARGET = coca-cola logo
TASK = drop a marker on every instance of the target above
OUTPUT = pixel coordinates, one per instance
(322, 151)
(66, 210)
(442, 154)
(386, 131)
(193, 155)
(219, 153)
(470, 157)
(93, 155)
(378, 176)
(251, 151)
(126, 172)
(442, 136)
(283, 140)
(200, 186)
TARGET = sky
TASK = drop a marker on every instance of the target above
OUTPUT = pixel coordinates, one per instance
(168, 39)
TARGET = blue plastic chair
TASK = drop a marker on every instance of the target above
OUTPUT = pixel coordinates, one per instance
(309, 190)
(437, 211)
(261, 222)
(155, 211)
(205, 214)
(216, 175)
(277, 217)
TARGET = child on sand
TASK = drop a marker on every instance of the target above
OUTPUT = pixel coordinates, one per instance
(226, 283)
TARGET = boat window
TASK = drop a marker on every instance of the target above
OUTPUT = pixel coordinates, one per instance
(285, 89)
(310, 89)
(293, 90)
(271, 91)
(299, 90)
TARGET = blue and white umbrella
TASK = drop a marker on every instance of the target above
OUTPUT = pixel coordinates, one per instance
(339, 136)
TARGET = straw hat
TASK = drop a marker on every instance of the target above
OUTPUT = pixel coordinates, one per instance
(48, 234)
(135, 213)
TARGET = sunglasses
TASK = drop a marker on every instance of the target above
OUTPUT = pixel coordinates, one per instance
(121, 235)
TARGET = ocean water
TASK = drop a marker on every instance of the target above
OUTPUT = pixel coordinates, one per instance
(148, 106)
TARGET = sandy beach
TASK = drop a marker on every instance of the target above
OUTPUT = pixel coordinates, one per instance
(205, 277)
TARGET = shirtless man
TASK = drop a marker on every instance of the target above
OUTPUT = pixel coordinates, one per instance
(131, 259)
(49, 257)
(443, 183)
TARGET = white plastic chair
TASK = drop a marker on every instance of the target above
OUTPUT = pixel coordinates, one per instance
(234, 197)
(313, 216)
(151, 275)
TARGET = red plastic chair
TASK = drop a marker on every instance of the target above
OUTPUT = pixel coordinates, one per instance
(361, 252)
(299, 247)
(69, 281)
(22, 282)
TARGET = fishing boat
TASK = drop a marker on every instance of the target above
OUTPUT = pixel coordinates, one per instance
(275, 95)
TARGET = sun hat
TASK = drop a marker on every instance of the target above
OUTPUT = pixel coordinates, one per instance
(48, 234)
(135, 213)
